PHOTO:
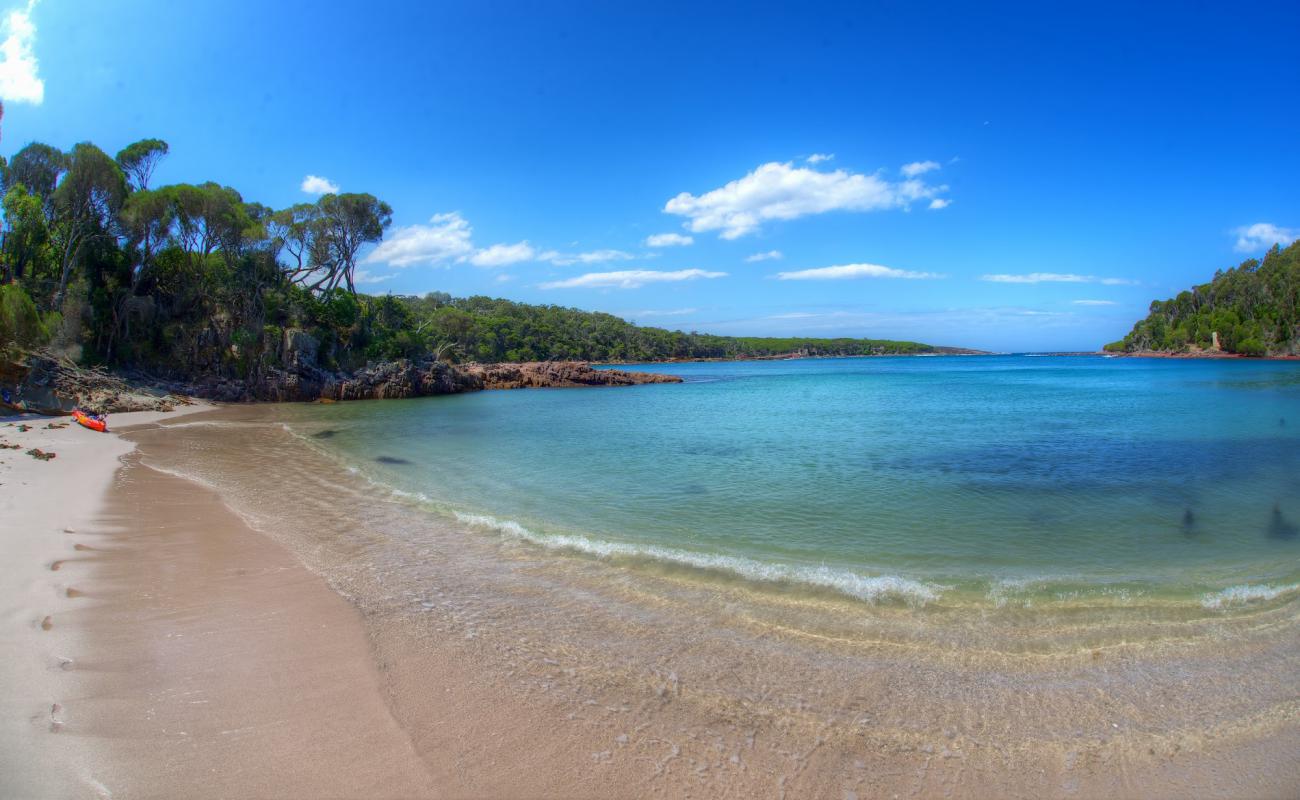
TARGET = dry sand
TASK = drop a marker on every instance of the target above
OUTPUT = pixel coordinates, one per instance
(155, 646)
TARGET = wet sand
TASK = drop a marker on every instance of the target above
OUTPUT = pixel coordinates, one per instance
(304, 647)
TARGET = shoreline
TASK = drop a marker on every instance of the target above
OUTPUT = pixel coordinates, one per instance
(159, 646)
(196, 627)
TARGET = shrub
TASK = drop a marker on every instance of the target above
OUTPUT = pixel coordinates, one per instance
(20, 322)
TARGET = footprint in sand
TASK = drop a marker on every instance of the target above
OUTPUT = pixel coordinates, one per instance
(82, 547)
(55, 566)
(47, 623)
(74, 592)
(56, 724)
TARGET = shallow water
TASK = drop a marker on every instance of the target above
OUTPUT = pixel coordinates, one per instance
(995, 479)
(960, 572)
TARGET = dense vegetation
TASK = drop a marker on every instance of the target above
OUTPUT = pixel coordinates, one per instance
(1254, 309)
(187, 280)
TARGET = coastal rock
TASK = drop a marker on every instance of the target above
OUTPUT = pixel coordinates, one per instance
(46, 384)
(402, 378)
(559, 374)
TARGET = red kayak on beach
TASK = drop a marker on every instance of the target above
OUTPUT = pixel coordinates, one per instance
(92, 421)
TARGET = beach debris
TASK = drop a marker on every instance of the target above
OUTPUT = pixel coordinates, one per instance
(24, 428)
(40, 455)
(7, 446)
(325, 434)
(54, 426)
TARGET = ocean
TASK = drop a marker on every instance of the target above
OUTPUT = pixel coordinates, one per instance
(1035, 481)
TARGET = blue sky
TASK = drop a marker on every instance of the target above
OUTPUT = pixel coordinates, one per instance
(1005, 176)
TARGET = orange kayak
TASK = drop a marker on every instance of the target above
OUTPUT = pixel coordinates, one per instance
(87, 421)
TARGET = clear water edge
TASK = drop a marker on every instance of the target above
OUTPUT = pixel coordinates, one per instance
(1202, 424)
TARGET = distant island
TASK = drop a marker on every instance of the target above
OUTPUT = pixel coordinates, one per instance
(1251, 310)
(194, 290)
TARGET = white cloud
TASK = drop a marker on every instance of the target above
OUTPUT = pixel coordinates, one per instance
(668, 240)
(1262, 236)
(939, 202)
(18, 79)
(770, 255)
(918, 168)
(502, 278)
(629, 279)
(592, 257)
(676, 312)
(365, 276)
(817, 158)
(1056, 277)
(315, 184)
(1095, 303)
(501, 255)
(847, 271)
(781, 191)
(1038, 277)
(445, 238)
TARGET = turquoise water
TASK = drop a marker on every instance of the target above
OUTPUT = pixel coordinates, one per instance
(1007, 479)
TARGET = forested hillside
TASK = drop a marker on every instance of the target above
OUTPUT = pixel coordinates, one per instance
(193, 279)
(1254, 309)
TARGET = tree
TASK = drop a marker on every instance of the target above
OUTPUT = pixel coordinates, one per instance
(139, 160)
(323, 238)
(38, 167)
(349, 221)
(26, 236)
(296, 231)
(147, 218)
(86, 202)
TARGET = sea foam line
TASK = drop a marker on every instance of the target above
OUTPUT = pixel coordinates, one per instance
(1245, 593)
(869, 588)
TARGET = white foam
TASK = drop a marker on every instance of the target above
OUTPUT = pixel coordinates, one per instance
(1245, 593)
(871, 588)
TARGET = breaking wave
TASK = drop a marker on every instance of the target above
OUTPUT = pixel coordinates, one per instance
(871, 588)
(1244, 594)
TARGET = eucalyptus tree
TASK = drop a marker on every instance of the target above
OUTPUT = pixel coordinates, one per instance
(323, 238)
(139, 159)
(349, 222)
(38, 166)
(26, 234)
(147, 220)
(85, 202)
(295, 232)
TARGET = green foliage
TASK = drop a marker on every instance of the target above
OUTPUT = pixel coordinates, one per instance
(20, 321)
(1254, 309)
(489, 329)
(191, 280)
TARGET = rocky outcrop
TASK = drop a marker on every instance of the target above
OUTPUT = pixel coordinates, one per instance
(402, 378)
(558, 374)
(46, 384)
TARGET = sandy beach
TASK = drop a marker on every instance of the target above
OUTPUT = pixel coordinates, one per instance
(155, 646)
(169, 639)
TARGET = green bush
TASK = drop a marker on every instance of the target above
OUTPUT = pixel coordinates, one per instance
(1251, 347)
(20, 322)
